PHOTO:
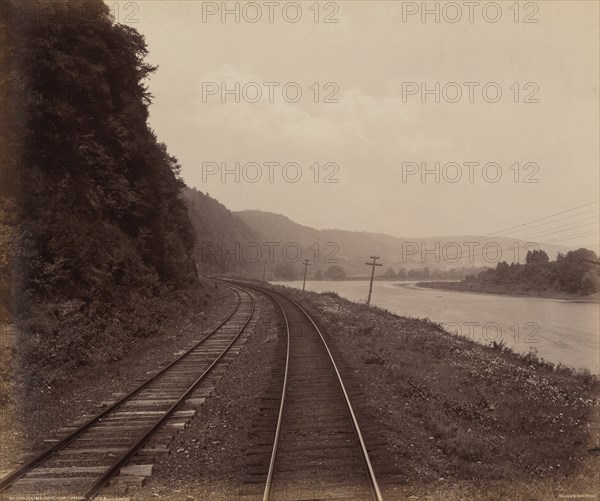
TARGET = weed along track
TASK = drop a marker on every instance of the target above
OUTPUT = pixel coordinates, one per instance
(307, 443)
(105, 454)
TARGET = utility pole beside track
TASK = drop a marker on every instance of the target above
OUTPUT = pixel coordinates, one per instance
(306, 265)
(373, 264)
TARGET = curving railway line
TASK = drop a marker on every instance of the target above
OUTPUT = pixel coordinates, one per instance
(80, 465)
(317, 450)
(307, 442)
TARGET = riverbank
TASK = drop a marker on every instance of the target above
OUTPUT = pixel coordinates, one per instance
(478, 288)
(450, 417)
(460, 417)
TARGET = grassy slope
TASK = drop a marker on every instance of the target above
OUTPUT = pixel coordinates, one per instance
(90, 338)
(462, 412)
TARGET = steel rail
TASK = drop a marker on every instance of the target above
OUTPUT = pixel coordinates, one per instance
(269, 482)
(112, 470)
(364, 452)
(15, 475)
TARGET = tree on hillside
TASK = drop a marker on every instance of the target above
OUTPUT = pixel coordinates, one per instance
(100, 231)
(536, 256)
(590, 282)
(335, 272)
(413, 274)
(574, 266)
(389, 273)
(502, 270)
(105, 210)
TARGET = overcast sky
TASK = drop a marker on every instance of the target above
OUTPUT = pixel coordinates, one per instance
(369, 57)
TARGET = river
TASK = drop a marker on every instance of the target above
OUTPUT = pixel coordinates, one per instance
(561, 331)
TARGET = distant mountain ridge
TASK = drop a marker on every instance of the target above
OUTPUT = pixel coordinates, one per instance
(242, 242)
(353, 248)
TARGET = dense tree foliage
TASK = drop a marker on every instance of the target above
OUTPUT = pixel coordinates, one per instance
(389, 273)
(94, 204)
(223, 242)
(576, 272)
(536, 256)
(101, 207)
(335, 272)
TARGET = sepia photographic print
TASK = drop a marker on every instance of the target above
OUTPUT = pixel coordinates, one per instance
(299, 250)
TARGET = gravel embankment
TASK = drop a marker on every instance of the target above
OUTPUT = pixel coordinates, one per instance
(462, 420)
(458, 420)
(208, 458)
(25, 424)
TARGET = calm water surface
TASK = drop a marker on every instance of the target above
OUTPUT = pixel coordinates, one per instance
(560, 331)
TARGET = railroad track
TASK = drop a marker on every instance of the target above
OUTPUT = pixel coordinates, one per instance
(308, 443)
(108, 446)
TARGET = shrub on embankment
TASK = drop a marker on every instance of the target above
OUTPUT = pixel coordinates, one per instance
(94, 229)
(455, 409)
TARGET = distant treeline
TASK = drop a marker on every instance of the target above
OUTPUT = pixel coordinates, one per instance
(293, 271)
(575, 273)
(427, 274)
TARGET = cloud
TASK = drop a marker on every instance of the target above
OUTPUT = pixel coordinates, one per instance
(359, 122)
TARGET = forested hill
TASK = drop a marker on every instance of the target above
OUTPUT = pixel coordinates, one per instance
(93, 218)
(349, 249)
(221, 237)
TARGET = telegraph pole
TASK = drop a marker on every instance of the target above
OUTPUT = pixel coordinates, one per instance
(373, 264)
(264, 270)
(306, 265)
